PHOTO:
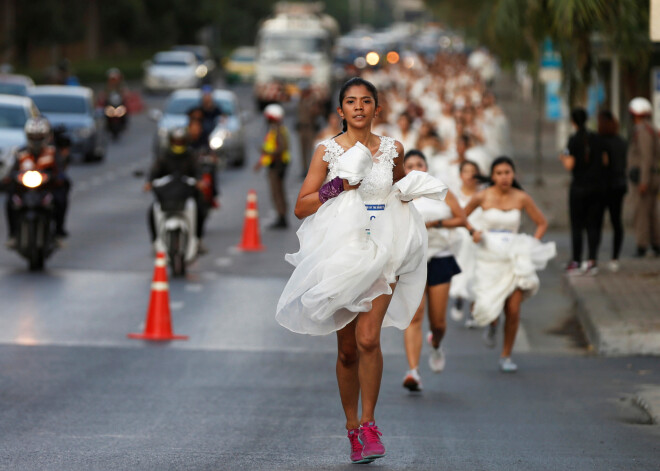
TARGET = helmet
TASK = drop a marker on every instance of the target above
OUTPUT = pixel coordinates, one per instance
(274, 112)
(178, 140)
(37, 131)
(640, 107)
(114, 73)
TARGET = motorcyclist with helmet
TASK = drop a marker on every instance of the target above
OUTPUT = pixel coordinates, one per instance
(39, 155)
(115, 94)
(178, 160)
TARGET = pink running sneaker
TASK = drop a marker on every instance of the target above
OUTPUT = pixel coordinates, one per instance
(372, 447)
(356, 448)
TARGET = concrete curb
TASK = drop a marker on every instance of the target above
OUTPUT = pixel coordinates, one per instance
(648, 399)
(610, 333)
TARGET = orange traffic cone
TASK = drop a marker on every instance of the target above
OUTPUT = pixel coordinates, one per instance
(159, 325)
(251, 240)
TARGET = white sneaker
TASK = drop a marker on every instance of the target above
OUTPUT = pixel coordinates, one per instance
(437, 360)
(470, 323)
(613, 266)
(456, 313)
(508, 366)
(412, 381)
(589, 268)
(490, 334)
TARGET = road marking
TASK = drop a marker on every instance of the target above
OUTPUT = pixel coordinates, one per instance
(224, 261)
(194, 288)
(233, 250)
(177, 305)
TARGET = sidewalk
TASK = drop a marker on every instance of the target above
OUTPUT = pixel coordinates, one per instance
(620, 312)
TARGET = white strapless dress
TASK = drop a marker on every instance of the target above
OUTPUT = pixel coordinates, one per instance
(355, 246)
(505, 261)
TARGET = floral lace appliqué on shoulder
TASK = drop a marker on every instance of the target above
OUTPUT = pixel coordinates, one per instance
(332, 150)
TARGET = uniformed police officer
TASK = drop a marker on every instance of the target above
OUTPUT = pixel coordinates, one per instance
(644, 174)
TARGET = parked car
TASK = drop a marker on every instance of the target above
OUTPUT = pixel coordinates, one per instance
(14, 112)
(11, 84)
(171, 70)
(227, 137)
(205, 64)
(72, 107)
(240, 65)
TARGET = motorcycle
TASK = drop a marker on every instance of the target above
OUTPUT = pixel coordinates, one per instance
(175, 220)
(115, 114)
(34, 205)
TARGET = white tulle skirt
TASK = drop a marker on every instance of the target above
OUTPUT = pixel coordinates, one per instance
(349, 255)
(462, 283)
(506, 262)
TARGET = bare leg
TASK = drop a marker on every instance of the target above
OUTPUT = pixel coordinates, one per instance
(412, 336)
(438, 299)
(512, 320)
(347, 374)
(370, 357)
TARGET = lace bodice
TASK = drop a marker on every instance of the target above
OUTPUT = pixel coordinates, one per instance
(494, 219)
(377, 184)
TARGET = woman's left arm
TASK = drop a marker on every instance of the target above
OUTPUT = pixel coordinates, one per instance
(398, 171)
(535, 215)
(458, 215)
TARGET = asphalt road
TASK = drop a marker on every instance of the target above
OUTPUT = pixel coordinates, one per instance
(245, 394)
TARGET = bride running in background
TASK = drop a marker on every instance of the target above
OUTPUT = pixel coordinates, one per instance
(439, 217)
(462, 284)
(506, 261)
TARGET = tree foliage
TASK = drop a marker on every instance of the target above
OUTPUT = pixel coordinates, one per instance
(515, 29)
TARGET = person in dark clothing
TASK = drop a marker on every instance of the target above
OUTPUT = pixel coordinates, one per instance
(583, 157)
(614, 162)
(178, 160)
(61, 192)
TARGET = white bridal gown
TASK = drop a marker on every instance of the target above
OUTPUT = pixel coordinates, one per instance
(505, 261)
(359, 243)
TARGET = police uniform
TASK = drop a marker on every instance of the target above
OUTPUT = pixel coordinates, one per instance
(644, 164)
(275, 156)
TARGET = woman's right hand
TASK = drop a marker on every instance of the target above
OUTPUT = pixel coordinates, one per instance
(348, 186)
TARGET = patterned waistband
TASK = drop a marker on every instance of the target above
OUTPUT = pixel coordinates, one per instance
(502, 231)
(375, 207)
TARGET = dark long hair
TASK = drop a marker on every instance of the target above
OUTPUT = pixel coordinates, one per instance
(355, 81)
(415, 153)
(503, 159)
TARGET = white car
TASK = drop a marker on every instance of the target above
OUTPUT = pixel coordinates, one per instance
(171, 70)
(14, 112)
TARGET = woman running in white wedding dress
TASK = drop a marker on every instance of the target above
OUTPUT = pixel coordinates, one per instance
(506, 261)
(362, 258)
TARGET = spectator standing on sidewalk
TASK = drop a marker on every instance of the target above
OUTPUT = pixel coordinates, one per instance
(617, 185)
(644, 173)
(275, 156)
(583, 158)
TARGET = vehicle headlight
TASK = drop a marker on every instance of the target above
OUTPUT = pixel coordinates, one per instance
(216, 142)
(32, 179)
(219, 138)
(201, 71)
(84, 133)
